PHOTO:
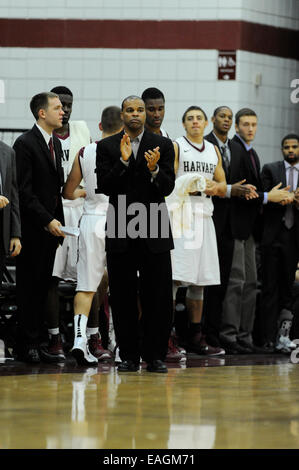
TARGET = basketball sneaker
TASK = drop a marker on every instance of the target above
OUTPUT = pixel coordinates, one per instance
(82, 354)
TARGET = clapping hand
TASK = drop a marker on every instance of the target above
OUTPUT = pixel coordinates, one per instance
(152, 157)
(125, 147)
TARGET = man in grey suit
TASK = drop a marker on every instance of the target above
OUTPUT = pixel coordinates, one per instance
(10, 225)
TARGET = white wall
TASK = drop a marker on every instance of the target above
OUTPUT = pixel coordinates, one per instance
(102, 77)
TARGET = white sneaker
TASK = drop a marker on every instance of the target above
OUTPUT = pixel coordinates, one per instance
(282, 344)
(290, 343)
(81, 353)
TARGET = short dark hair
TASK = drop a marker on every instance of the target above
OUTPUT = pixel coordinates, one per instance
(196, 108)
(152, 94)
(289, 136)
(130, 98)
(62, 90)
(244, 112)
(41, 101)
(217, 110)
(110, 119)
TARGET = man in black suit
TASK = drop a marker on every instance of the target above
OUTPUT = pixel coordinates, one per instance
(40, 177)
(10, 224)
(240, 295)
(225, 217)
(280, 245)
(136, 169)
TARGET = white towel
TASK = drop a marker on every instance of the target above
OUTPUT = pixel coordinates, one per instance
(179, 202)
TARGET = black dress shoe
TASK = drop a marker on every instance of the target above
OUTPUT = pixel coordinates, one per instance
(128, 366)
(31, 356)
(156, 366)
(269, 348)
(235, 348)
(254, 349)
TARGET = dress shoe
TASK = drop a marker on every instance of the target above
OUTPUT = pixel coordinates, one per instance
(31, 356)
(156, 366)
(128, 366)
(254, 349)
(269, 348)
(235, 348)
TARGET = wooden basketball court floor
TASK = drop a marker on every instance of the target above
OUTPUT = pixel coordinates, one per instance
(233, 402)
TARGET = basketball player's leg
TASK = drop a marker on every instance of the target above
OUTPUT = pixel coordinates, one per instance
(90, 270)
(197, 342)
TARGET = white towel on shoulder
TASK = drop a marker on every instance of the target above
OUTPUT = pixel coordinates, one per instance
(179, 202)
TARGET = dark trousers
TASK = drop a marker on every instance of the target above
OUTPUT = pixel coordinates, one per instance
(33, 274)
(214, 295)
(279, 263)
(2, 251)
(154, 288)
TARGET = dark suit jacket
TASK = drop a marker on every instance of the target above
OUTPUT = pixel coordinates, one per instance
(39, 181)
(11, 224)
(249, 213)
(226, 210)
(136, 183)
(272, 174)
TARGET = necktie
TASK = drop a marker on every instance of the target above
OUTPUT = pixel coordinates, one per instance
(225, 157)
(52, 149)
(289, 214)
(253, 162)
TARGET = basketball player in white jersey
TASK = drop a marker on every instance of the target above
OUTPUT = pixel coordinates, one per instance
(92, 256)
(73, 135)
(198, 266)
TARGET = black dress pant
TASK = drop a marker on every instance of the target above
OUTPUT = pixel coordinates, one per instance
(33, 274)
(154, 287)
(279, 264)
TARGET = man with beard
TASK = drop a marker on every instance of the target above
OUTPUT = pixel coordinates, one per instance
(135, 168)
(280, 246)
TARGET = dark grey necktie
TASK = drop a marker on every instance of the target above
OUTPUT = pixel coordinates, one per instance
(289, 214)
(225, 157)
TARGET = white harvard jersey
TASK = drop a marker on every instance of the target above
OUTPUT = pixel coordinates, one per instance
(94, 204)
(65, 145)
(193, 159)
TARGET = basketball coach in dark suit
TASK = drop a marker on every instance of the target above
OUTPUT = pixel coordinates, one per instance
(136, 169)
(280, 239)
(40, 177)
(10, 224)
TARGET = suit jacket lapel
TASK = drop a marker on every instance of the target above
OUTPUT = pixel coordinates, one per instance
(3, 168)
(44, 147)
(282, 174)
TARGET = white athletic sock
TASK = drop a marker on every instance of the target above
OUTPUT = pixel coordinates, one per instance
(80, 323)
(91, 331)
